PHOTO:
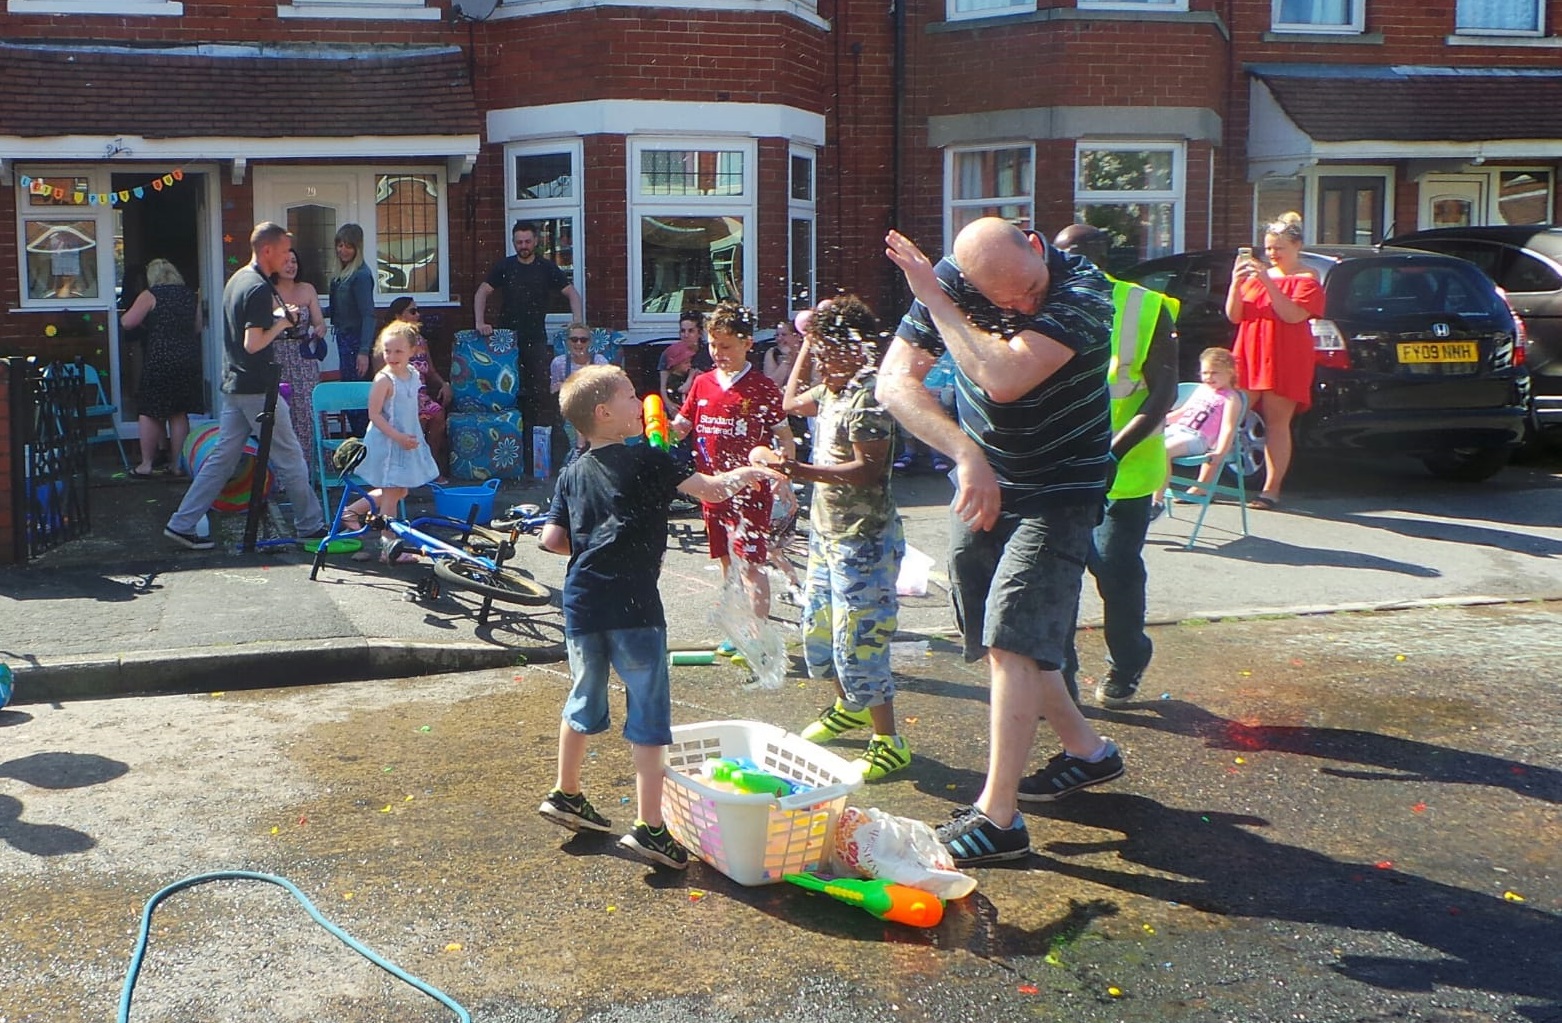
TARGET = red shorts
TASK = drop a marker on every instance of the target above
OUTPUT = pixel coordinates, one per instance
(739, 526)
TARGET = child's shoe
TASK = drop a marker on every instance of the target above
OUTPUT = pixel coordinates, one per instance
(725, 648)
(573, 812)
(885, 754)
(834, 720)
(658, 846)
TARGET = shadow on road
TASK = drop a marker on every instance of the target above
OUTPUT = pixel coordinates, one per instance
(1262, 550)
(52, 771)
(1397, 759)
(1220, 866)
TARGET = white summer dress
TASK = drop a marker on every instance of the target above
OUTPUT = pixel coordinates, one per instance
(388, 464)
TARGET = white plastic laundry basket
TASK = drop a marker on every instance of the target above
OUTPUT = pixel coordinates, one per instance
(754, 839)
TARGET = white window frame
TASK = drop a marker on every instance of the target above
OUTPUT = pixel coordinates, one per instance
(118, 8)
(1538, 29)
(573, 206)
(99, 178)
(1357, 25)
(1310, 176)
(800, 209)
(746, 205)
(952, 11)
(1177, 6)
(1177, 195)
(807, 10)
(360, 210)
(951, 158)
(360, 10)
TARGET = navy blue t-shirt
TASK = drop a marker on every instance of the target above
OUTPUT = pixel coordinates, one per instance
(612, 501)
(1051, 446)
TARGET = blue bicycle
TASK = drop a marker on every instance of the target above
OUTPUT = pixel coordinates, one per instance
(465, 556)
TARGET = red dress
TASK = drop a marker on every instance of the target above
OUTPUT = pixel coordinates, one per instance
(1273, 355)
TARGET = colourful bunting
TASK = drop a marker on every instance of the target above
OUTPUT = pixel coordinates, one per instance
(41, 187)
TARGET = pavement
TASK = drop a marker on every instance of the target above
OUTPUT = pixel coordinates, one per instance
(123, 610)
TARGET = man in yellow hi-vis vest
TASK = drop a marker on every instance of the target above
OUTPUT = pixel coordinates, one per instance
(1142, 381)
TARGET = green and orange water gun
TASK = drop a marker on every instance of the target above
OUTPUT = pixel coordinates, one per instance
(885, 900)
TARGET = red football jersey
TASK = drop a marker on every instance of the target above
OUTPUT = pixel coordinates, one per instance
(731, 422)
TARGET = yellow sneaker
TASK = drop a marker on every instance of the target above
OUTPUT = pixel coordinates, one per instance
(834, 720)
(885, 754)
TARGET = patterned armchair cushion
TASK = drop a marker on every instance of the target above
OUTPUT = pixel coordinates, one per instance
(483, 372)
(484, 445)
(604, 342)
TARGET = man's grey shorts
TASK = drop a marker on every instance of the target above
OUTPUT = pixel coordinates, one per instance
(1016, 586)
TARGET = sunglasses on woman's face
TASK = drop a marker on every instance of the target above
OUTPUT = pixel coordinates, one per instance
(580, 340)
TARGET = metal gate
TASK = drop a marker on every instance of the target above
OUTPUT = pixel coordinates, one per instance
(49, 455)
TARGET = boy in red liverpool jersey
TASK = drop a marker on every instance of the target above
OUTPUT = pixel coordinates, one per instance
(732, 410)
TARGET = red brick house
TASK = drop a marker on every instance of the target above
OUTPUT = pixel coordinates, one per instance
(680, 151)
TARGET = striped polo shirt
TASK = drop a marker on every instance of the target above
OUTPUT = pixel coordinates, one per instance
(1050, 447)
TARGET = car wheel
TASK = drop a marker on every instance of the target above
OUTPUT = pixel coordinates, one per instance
(1468, 465)
(1254, 440)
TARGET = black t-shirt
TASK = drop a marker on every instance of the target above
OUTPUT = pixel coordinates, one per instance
(528, 290)
(613, 500)
(247, 301)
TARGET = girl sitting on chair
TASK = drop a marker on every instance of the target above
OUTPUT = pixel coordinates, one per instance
(1206, 424)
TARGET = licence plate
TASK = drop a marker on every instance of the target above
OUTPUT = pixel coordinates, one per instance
(1439, 351)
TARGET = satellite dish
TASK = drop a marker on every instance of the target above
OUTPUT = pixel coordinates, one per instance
(473, 10)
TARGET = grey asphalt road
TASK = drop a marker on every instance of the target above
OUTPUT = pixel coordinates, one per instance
(1336, 818)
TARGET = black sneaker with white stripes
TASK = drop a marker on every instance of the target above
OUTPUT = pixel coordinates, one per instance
(973, 839)
(1065, 774)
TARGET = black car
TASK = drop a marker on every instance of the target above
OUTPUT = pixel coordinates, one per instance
(1417, 354)
(1526, 263)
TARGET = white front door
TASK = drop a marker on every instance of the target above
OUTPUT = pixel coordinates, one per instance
(1453, 200)
(312, 204)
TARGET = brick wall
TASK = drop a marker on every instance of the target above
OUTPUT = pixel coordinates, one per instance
(8, 524)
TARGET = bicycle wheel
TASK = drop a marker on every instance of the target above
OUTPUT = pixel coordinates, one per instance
(502, 583)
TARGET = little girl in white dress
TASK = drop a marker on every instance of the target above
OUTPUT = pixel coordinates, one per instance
(398, 458)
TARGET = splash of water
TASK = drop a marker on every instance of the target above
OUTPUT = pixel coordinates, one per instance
(758, 640)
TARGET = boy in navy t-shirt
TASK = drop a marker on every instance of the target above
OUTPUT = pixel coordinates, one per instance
(609, 515)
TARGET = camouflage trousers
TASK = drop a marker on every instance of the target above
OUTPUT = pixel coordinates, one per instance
(851, 611)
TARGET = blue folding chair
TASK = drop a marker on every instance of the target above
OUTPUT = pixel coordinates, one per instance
(335, 399)
(1236, 460)
(98, 406)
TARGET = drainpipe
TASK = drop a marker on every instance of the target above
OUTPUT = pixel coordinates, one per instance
(899, 8)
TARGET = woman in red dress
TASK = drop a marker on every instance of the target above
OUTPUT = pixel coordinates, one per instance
(1274, 348)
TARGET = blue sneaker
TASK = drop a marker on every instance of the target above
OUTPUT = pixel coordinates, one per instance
(725, 649)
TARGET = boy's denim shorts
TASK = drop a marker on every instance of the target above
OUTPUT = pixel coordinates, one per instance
(1016, 586)
(640, 658)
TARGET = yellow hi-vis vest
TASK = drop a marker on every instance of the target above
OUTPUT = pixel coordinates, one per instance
(1142, 471)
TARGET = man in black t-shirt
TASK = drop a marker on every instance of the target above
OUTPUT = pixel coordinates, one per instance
(254, 316)
(527, 282)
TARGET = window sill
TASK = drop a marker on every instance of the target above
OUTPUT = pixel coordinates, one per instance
(360, 12)
(805, 10)
(1326, 38)
(117, 8)
(1137, 14)
(1532, 42)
